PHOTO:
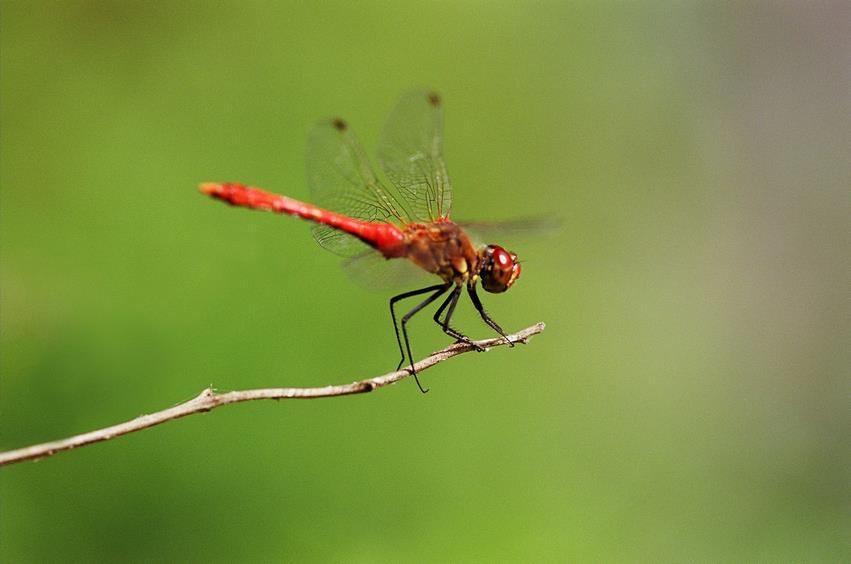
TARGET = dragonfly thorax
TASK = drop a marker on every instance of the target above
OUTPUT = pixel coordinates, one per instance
(442, 248)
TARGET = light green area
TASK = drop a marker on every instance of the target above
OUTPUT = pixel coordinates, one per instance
(687, 402)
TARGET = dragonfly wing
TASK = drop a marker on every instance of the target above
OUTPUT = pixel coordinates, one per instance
(410, 151)
(510, 231)
(342, 180)
(372, 271)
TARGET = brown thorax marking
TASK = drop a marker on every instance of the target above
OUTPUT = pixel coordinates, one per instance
(443, 249)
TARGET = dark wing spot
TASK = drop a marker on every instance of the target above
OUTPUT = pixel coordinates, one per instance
(339, 124)
(434, 99)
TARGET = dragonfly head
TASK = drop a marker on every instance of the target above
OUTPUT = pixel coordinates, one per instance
(499, 269)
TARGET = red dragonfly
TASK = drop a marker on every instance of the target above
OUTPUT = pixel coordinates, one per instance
(411, 222)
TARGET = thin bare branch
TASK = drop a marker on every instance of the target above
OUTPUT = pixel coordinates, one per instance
(209, 399)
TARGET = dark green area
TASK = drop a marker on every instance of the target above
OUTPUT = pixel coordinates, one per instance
(688, 401)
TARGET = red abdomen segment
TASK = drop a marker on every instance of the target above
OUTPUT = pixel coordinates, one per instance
(386, 237)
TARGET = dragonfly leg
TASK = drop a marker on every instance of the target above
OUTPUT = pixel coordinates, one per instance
(400, 297)
(452, 301)
(471, 289)
(438, 290)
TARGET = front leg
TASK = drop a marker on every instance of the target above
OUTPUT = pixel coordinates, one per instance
(471, 289)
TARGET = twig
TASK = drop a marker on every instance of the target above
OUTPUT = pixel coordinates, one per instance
(209, 399)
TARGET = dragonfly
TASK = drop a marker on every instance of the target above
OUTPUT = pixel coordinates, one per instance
(357, 216)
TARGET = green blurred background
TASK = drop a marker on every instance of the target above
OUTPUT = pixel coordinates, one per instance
(688, 400)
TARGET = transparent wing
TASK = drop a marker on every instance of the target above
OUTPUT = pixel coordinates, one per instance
(510, 231)
(374, 272)
(342, 180)
(411, 153)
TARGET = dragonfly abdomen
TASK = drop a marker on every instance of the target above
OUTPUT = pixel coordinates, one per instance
(385, 237)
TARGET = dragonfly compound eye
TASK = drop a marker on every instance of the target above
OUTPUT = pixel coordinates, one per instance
(499, 269)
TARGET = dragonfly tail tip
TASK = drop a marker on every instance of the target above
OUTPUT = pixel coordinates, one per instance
(209, 188)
